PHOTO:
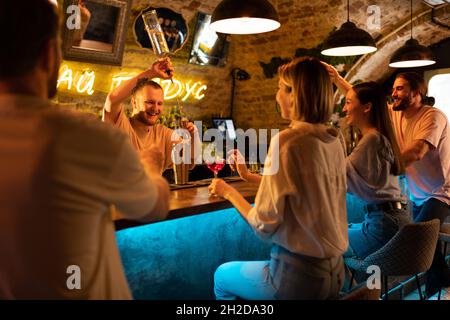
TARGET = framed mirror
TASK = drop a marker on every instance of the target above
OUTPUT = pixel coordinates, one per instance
(95, 30)
(209, 47)
(173, 25)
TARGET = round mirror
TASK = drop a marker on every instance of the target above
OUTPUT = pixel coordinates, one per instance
(173, 26)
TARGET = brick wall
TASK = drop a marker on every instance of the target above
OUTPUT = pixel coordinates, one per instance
(136, 59)
(304, 25)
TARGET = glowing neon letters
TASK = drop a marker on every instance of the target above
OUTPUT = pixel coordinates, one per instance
(83, 83)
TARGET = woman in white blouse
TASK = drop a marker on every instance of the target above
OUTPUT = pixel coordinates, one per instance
(372, 167)
(300, 204)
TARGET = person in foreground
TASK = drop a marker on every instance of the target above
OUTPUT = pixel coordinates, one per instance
(60, 173)
(300, 204)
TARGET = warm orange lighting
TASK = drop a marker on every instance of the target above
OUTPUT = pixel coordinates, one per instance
(84, 83)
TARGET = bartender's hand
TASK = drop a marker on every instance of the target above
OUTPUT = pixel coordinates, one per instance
(191, 128)
(153, 159)
(160, 67)
(237, 163)
(219, 187)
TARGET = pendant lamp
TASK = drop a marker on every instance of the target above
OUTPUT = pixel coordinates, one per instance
(244, 17)
(349, 40)
(412, 54)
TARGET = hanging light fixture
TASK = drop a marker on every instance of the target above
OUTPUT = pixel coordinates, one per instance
(244, 17)
(349, 40)
(412, 54)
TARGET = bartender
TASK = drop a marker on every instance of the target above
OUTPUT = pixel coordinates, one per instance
(147, 98)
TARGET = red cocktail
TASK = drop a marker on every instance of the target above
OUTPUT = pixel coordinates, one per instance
(216, 166)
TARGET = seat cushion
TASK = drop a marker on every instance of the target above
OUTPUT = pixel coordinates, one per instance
(354, 263)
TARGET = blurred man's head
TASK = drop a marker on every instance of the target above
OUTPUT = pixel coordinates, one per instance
(30, 44)
(147, 100)
(409, 89)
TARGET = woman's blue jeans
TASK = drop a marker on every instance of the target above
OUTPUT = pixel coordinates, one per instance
(285, 276)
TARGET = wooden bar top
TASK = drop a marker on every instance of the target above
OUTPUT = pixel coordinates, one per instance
(195, 200)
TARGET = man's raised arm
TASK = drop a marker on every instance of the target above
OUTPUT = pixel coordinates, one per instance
(118, 95)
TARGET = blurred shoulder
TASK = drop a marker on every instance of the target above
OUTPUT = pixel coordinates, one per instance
(434, 113)
(372, 137)
(82, 125)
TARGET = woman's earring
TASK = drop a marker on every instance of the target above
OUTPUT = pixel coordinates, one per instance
(277, 108)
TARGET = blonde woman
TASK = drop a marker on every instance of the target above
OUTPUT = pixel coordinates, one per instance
(300, 207)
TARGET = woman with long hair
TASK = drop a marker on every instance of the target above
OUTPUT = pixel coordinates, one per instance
(373, 167)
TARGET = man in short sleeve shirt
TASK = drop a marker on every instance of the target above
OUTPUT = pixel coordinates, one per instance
(60, 174)
(423, 135)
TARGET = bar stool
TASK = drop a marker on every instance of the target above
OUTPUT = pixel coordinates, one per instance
(409, 252)
(444, 237)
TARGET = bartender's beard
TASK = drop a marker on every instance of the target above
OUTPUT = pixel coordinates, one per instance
(148, 119)
(402, 105)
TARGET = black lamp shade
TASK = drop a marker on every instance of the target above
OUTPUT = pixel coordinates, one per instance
(412, 54)
(244, 17)
(349, 40)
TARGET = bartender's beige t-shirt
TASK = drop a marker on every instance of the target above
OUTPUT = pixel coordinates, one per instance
(302, 205)
(60, 172)
(429, 177)
(157, 134)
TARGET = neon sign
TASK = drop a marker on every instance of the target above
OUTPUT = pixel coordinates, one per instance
(83, 83)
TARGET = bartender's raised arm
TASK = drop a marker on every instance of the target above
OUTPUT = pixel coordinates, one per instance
(161, 68)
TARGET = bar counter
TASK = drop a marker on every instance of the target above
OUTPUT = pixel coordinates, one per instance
(192, 200)
(176, 258)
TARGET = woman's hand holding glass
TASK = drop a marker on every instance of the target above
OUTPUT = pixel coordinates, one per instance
(220, 188)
